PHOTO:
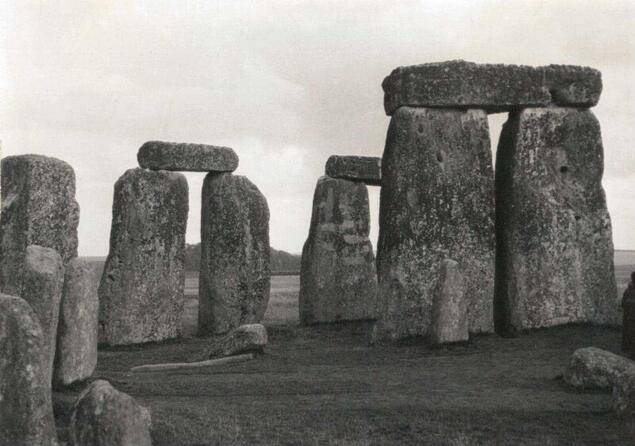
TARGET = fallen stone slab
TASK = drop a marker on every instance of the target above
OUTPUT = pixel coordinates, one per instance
(491, 87)
(142, 285)
(103, 416)
(593, 368)
(26, 411)
(193, 365)
(449, 309)
(366, 169)
(38, 208)
(76, 355)
(246, 338)
(159, 155)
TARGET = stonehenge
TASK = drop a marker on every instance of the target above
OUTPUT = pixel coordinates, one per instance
(158, 155)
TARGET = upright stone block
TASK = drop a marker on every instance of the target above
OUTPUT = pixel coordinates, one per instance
(554, 243)
(76, 355)
(159, 155)
(141, 289)
(366, 169)
(437, 202)
(42, 282)
(235, 273)
(26, 411)
(449, 309)
(338, 279)
(38, 208)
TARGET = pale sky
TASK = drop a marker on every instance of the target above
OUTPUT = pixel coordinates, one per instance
(285, 83)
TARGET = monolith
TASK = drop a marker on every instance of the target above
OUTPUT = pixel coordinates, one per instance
(235, 272)
(338, 279)
(141, 289)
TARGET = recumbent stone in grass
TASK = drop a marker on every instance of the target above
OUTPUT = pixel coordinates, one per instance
(592, 367)
(244, 339)
(158, 155)
(141, 289)
(366, 169)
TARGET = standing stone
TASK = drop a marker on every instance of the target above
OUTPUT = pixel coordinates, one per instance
(103, 416)
(26, 411)
(449, 310)
(338, 279)
(158, 155)
(235, 273)
(141, 289)
(554, 242)
(366, 169)
(76, 355)
(38, 208)
(437, 202)
(42, 283)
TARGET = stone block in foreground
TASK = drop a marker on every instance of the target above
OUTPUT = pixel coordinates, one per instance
(159, 155)
(449, 309)
(491, 87)
(366, 169)
(594, 368)
(244, 339)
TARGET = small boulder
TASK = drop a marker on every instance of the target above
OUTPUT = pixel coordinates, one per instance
(449, 308)
(158, 155)
(244, 339)
(592, 367)
(103, 416)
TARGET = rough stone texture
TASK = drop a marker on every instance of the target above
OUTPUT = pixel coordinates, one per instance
(158, 155)
(494, 88)
(338, 278)
(76, 355)
(594, 368)
(103, 416)
(554, 243)
(244, 339)
(624, 394)
(366, 169)
(42, 283)
(437, 202)
(38, 208)
(141, 289)
(235, 272)
(449, 309)
(26, 411)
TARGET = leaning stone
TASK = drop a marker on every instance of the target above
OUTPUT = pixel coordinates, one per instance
(235, 273)
(103, 416)
(554, 242)
(158, 155)
(244, 339)
(437, 202)
(141, 289)
(338, 279)
(42, 283)
(26, 411)
(449, 309)
(38, 208)
(76, 355)
(592, 368)
(494, 88)
(366, 169)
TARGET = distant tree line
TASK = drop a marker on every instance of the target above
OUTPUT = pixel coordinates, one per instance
(281, 262)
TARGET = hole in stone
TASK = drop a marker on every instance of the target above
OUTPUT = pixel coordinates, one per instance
(564, 169)
(420, 128)
(440, 157)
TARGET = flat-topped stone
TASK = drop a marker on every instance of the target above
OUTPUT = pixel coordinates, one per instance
(366, 169)
(492, 87)
(159, 155)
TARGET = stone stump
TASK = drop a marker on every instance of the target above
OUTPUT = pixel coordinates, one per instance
(437, 202)
(38, 208)
(338, 279)
(554, 243)
(449, 308)
(76, 355)
(141, 289)
(235, 274)
(26, 411)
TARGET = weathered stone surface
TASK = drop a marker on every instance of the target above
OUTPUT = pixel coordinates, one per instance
(437, 202)
(624, 394)
(159, 155)
(42, 282)
(366, 169)
(26, 411)
(244, 339)
(38, 208)
(235, 272)
(554, 243)
(592, 367)
(141, 289)
(103, 416)
(76, 355)
(491, 87)
(449, 309)
(338, 279)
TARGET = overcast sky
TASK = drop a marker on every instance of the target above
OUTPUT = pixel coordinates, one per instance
(285, 83)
